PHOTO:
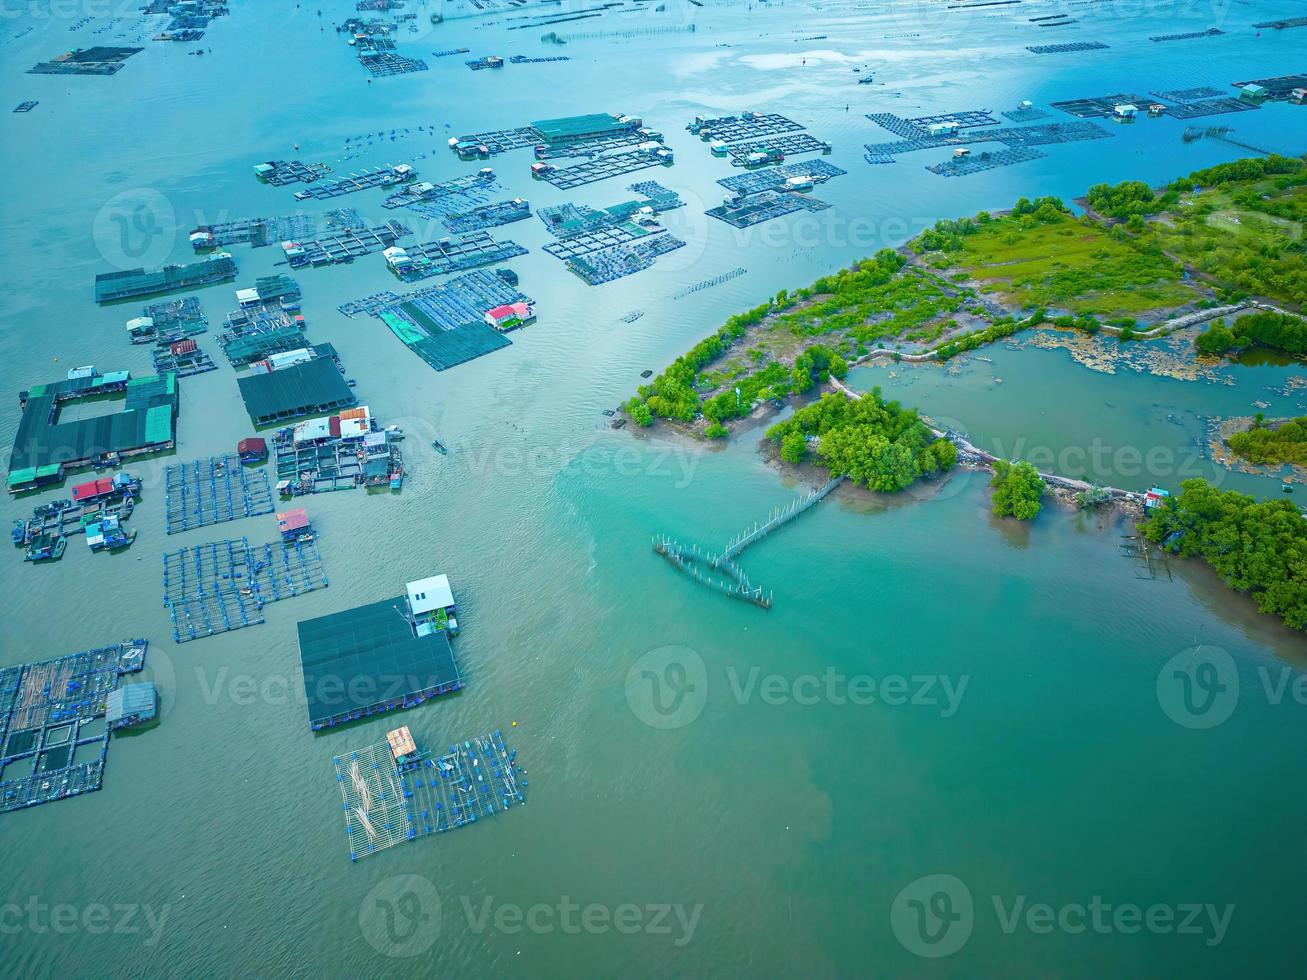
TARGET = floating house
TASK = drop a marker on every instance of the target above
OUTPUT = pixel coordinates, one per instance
(46, 446)
(509, 316)
(431, 602)
(946, 128)
(1252, 92)
(294, 525)
(292, 383)
(1125, 110)
(112, 286)
(372, 659)
(252, 450)
(106, 488)
(131, 704)
(570, 129)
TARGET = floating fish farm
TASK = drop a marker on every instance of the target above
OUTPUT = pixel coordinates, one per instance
(54, 724)
(488, 216)
(595, 131)
(742, 212)
(1189, 94)
(375, 658)
(920, 126)
(63, 518)
(223, 585)
(445, 324)
(622, 260)
(184, 358)
(746, 126)
(1099, 107)
(26, 106)
(320, 456)
(213, 491)
(279, 173)
(113, 286)
(775, 178)
(789, 145)
(1067, 48)
(416, 262)
(45, 447)
(1038, 135)
(296, 383)
(422, 192)
(345, 246)
(361, 181)
(1028, 114)
(258, 232)
(166, 323)
(382, 64)
(987, 160)
(388, 799)
(86, 61)
(1209, 107)
(602, 168)
(1189, 36)
(1279, 88)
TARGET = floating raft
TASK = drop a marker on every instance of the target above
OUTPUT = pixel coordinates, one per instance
(622, 260)
(223, 585)
(456, 255)
(1067, 48)
(171, 321)
(1209, 107)
(420, 193)
(774, 178)
(112, 286)
(74, 518)
(183, 358)
(503, 140)
(1280, 87)
(346, 245)
(1191, 35)
(1189, 94)
(757, 208)
(444, 324)
(1032, 114)
(361, 181)
(602, 168)
(381, 64)
(919, 126)
(489, 216)
(386, 802)
(47, 708)
(749, 126)
(1099, 107)
(989, 160)
(213, 491)
(86, 61)
(279, 173)
(25, 106)
(317, 467)
(790, 145)
(257, 232)
(591, 147)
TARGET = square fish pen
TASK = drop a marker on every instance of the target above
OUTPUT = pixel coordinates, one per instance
(223, 585)
(387, 802)
(213, 491)
(601, 168)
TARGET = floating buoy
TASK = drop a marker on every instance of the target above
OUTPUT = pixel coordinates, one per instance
(514, 724)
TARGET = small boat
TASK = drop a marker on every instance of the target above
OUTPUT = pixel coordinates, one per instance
(439, 447)
(46, 547)
(19, 532)
(1287, 487)
(397, 480)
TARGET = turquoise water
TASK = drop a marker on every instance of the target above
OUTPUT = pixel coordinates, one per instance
(791, 827)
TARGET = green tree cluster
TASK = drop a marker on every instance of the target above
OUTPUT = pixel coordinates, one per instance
(1257, 547)
(1273, 445)
(878, 444)
(1129, 199)
(1274, 331)
(1016, 490)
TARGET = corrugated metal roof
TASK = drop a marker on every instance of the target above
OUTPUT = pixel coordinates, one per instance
(131, 700)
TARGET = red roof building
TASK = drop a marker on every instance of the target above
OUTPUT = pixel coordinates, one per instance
(293, 521)
(93, 490)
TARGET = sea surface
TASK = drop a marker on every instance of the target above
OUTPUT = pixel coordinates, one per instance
(715, 789)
